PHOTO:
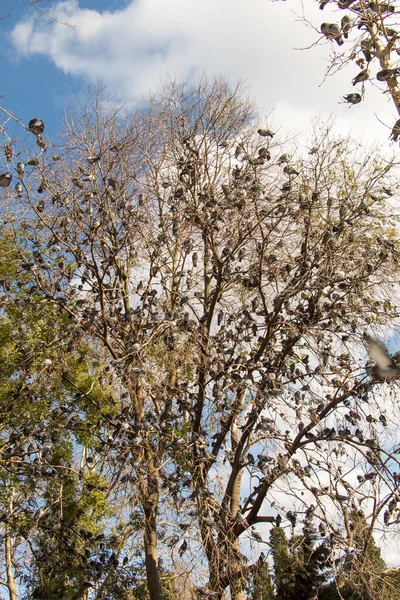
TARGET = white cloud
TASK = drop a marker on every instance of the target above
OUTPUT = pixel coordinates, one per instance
(132, 48)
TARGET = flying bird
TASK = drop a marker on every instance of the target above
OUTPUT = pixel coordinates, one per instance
(5, 180)
(362, 76)
(386, 366)
(352, 98)
(36, 126)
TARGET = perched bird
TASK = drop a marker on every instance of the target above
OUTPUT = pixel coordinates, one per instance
(346, 26)
(395, 131)
(381, 7)
(255, 535)
(343, 4)
(36, 126)
(366, 47)
(33, 162)
(352, 98)
(290, 170)
(265, 133)
(283, 159)
(291, 517)
(20, 168)
(40, 206)
(278, 520)
(239, 518)
(8, 151)
(41, 143)
(183, 548)
(18, 189)
(322, 4)
(5, 180)
(386, 366)
(386, 74)
(93, 159)
(336, 34)
(362, 76)
(325, 30)
(264, 153)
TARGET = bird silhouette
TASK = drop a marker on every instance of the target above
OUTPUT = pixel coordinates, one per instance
(386, 366)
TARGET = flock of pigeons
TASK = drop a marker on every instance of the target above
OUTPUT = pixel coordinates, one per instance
(337, 33)
(382, 367)
(35, 126)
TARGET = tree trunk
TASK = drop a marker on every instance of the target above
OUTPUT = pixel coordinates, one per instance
(150, 546)
(237, 592)
(11, 583)
(150, 506)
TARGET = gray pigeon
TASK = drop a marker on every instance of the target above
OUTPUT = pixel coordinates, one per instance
(362, 76)
(395, 131)
(386, 366)
(366, 46)
(346, 26)
(265, 133)
(352, 98)
(18, 189)
(325, 30)
(283, 159)
(36, 126)
(5, 180)
(290, 170)
(336, 34)
(386, 74)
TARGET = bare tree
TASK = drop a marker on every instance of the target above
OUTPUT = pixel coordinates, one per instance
(227, 279)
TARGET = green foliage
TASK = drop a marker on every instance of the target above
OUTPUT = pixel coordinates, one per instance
(260, 586)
